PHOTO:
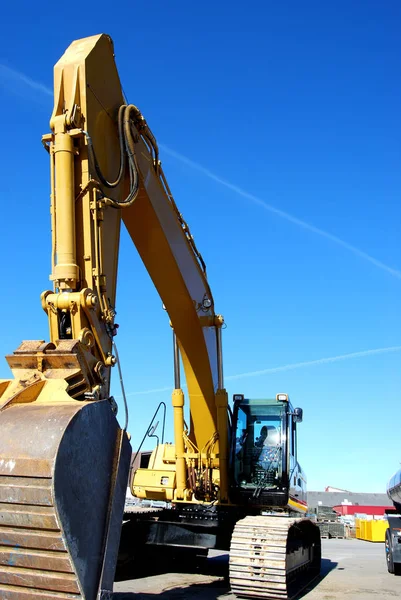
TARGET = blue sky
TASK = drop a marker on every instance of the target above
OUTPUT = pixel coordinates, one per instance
(281, 131)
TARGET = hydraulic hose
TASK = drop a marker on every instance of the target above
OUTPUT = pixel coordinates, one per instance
(127, 154)
(94, 162)
(129, 115)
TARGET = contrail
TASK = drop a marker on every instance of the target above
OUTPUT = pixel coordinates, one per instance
(9, 73)
(280, 213)
(319, 361)
(6, 73)
(298, 365)
(152, 391)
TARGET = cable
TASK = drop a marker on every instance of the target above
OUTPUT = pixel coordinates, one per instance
(92, 155)
(149, 428)
(122, 386)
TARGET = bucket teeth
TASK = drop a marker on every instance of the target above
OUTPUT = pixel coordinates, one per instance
(59, 466)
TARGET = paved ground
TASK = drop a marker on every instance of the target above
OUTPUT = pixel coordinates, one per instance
(351, 570)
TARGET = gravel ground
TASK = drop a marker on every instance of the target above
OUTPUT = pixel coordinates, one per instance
(351, 570)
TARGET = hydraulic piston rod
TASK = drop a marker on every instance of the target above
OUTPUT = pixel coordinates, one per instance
(66, 270)
(178, 407)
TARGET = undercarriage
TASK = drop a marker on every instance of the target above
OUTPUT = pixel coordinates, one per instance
(272, 555)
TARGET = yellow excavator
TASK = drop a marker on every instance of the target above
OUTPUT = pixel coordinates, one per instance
(231, 479)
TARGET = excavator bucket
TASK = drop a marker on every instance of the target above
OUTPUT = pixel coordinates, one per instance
(63, 474)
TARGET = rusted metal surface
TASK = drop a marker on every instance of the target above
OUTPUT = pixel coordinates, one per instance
(39, 580)
(11, 592)
(60, 463)
(28, 516)
(29, 538)
(25, 490)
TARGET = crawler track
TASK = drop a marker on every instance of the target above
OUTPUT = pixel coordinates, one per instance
(273, 557)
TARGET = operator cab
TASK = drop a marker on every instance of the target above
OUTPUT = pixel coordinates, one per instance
(264, 465)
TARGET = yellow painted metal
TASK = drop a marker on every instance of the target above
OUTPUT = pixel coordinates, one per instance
(178, 408)
(174, 269)
(66, 271)
(298, 506)
(358, 528)
(155, 484)
(85, 238)
(149, 482)
(222, 417)
(371, 530)
(379, 529)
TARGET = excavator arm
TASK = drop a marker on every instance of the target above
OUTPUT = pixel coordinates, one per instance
(105, 165)
(64, 459)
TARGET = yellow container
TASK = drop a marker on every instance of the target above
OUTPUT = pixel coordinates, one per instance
(358, 528)
(372, 530)
(379, 529)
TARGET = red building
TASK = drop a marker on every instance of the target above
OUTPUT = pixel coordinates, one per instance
(351, 509)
